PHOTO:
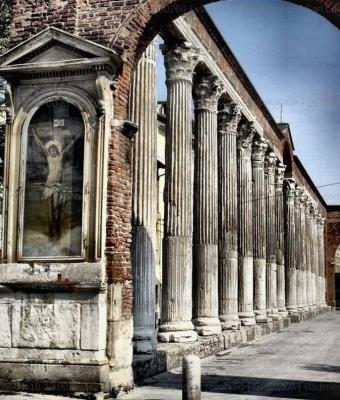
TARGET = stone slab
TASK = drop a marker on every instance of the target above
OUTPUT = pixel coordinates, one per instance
(5, 326)
(43, 326)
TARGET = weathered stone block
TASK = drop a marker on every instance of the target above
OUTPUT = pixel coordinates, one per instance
(93, 327)
(119, 347)
(54, 326)
(5, 326)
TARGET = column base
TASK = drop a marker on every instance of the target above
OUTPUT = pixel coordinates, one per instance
(144, 340)
(206, 326)
(177, 332)
(247, 318)
(283, 312)
(275, 316)
(261, 317)
(230, 321)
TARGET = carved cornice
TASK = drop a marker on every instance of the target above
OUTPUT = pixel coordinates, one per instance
(229, 116)
(280, 174)
(245, 138)
(289, 188)
(260, 147)
(207, 92)
(180, 61)
(270, 163)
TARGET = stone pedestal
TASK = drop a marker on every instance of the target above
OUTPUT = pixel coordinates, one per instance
(289, 188)
(280, 240)
(180, 61)
(271, 268)
(143, 112)
(207, 91)
(245, 220)
(259, 229)
(229, 117)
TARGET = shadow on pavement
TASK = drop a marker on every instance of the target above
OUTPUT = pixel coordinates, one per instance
(322, 368)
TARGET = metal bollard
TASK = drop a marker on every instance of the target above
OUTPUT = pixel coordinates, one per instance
(191, 378)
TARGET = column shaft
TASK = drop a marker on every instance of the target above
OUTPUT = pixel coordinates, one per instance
(245, 219)
(271, 276)
(207, 92)
(308, 230)
(280, 240)
(297, 248)
(177, 270)
(290, 246)
(259, 229)
(229, 117)
(143, 112)
(303, 243)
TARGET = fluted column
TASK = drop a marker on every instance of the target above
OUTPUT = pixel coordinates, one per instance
(143, 112)
(180, 62)
(322, 261)
(271, 271)
(260, 147)
(308, 252)
(303, 241)
(245, 220)
(320, 238)
(289, 188)
(229, 117)
(280, 240)
(297, 249)
(314, 254)
(205, 250)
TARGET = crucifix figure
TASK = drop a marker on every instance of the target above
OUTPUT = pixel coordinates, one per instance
(54, 192)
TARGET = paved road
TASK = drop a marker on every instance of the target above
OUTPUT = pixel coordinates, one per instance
(301, 362)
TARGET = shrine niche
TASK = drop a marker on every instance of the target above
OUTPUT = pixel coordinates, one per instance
(53, 180)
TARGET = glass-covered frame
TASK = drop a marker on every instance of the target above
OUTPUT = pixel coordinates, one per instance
(88, 115)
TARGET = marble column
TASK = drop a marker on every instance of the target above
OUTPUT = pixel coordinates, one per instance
(280, 240)
(143, 112)
(180, 62)
(207, 92)
(297, 248)
(229, 116)
(303, 242)
(271, 271)
(289, 188)
(308, 252)
(315, 261)
(260, 147)
(322, 261)
(320, 238)
(245, 222)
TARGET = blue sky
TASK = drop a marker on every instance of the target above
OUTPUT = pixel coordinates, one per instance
(291, 55)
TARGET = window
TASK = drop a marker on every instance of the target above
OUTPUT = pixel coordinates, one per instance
(53, 180)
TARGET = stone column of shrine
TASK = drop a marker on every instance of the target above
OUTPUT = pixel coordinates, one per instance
(260, 147)
(207, 91)
(303, 242)
(280, 240)
(245, 224)
(308, 252)
(289, 190)
(320, 237)
(143, 112)
(298, 255)
(180, 62)
(229, 116)
(271, 271)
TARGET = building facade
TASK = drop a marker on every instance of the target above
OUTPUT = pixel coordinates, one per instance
(126, 231)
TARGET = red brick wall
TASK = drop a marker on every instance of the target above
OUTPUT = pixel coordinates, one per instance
(333, 242)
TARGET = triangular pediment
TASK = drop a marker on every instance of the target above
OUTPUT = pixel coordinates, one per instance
(54, 46)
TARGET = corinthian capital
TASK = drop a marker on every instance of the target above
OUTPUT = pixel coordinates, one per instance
(245, 137)
(229, 116)
(289, 187)
(280, 174)
(207, 91)
(180, 61)
(270, 163)
(260, 147)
